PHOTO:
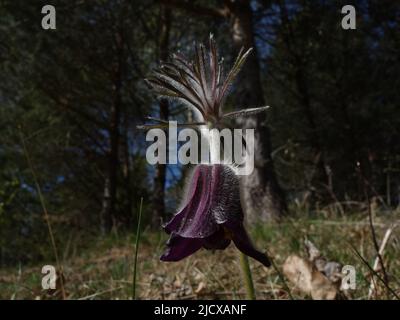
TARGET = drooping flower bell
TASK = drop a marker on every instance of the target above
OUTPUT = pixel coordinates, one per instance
(212, 215)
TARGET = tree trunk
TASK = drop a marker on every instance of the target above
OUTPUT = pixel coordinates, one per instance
(126, 171)
(160, 174)
(110, 186)
(262, 195)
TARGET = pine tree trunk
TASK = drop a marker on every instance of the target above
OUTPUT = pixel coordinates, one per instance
(110, 186)
(262, 195)
(160, 174)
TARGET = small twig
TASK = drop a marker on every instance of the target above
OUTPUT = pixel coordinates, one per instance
(375, 241)
(377, 195)
(372, 228)
(348, 223)
(374, 238)
(374, 272)
(100, 293)
(385, 240)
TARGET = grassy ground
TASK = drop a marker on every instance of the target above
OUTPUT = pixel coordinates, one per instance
(103, 268)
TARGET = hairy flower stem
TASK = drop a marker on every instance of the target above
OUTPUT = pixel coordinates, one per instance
(247, 277)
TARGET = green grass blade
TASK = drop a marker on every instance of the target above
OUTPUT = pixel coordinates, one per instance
(136, 250)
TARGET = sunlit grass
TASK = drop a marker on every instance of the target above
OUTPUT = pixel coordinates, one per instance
(103, 268)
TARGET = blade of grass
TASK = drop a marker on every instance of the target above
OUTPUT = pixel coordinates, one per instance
(46, 215)
(136, 250)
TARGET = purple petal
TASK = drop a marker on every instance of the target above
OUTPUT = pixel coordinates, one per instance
(212, 210)
(217, 241)
(192, 201)
(243, 243)
(179, 248)
(196, 219)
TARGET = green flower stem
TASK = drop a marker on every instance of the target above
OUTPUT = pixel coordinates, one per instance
(247, 277)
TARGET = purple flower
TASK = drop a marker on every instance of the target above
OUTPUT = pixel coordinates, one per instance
(211, 217)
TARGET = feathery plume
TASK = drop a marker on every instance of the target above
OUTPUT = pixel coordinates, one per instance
(200, 84)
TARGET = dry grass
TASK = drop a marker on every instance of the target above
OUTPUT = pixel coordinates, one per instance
(103, 270)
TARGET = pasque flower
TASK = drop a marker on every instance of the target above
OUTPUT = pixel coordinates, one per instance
(211, 216)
